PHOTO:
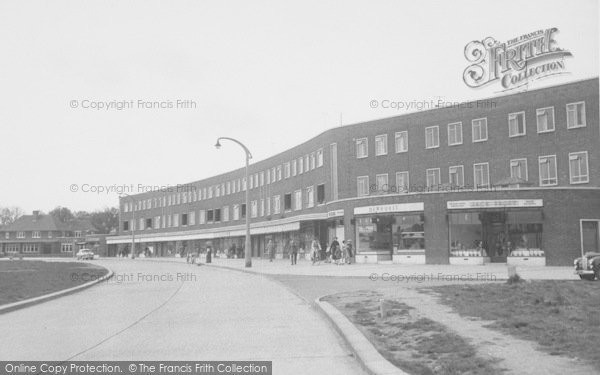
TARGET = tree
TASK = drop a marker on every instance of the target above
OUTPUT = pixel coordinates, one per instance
(62, 214)
(106, 220)
(9, 215)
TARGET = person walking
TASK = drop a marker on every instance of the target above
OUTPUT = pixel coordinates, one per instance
(349, 252)
(315, 251)
(271, 250)
(293, 252)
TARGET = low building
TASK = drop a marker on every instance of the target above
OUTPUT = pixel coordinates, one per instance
(43, 235)
(513, 178)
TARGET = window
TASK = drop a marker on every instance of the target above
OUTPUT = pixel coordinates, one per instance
(184, 199)
(294, 167)
(169, 223)
(548, 170)
(300, 165)
(210, 192)
(287, 202)
(381, 145)
(175, 220)
(273, 174)
(244, 184)
(321, 194)
(30, 248)
(148, 225)
(256, 180)
(381, 181)
(575, 115)
(287, 170)
(184, 219)
(518, 169)
(210, 216)
(297, 200)
(236, 212)
(362, 148)
(277, 204)
(217, 215)
(362, 188)
(401, 141)
(578, 167)
(268, 174)
(268, 204)
(516, 124)
(49, 234)
(402, 183)
(432, 137)
(243, 211)
(433, 177)
(262, 207)
(66, 247)
(279, 172)
(262, 178)
(125, 227)
(456, 175)
(253, 209)
(479, 127)
(36, 234)
(157, 222)
(202, 217)
(455, 134)
(310, 196)
(313, 161)
(251, 182)
(225, 213)
(306, 163)
(227, 189)
(12, 248)
(20, 234)
(481, 175)
(319, 158)
(545, 119)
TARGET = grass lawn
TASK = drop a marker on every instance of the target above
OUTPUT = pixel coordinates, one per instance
(562, 316)
(414, 344)
(23, 279)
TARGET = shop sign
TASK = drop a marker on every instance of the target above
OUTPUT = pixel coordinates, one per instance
(335, 213)
(500, 203)
(389, 208)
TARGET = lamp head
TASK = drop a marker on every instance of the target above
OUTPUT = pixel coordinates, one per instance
(218, 144)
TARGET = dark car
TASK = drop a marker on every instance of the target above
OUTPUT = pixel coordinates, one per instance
(588, 266)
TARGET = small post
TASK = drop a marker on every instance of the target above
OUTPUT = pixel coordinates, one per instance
(382, 308)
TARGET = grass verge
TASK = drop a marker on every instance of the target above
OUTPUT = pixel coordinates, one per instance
(563, 317)
(24, 279)
(413, 343)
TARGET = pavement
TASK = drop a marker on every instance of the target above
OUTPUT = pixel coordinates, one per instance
(175, 311)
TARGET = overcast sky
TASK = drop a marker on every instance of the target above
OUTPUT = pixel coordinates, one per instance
(270, 73)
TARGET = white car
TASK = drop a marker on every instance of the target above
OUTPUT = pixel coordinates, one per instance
(84, 254)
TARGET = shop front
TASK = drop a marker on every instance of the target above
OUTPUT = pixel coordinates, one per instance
(390, 233)
(498, 231)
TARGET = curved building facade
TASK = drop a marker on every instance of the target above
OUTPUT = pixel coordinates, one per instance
(511, 179)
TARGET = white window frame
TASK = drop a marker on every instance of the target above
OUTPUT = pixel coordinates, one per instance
(300, 165)
(310, 196)
(439, 177)
(253, 209)
(236, 212)
(512, 161)
(402, 135)
(573, 156)
(486, 186)
(294, 167)
(20, 234)
(406, 188)
(364, 180)
(225, 214)
(524, 125)
(287, 170)
(36, 234)
(380, 187)
(538, 112)
(297, 204)
(359, 142)
(319, 158)
(436, 138)
(555, 170)
(276, 204)
(381, 145)
(202, 217)
(458, 133)
(460, 183)
(313, 161)
(584, 123)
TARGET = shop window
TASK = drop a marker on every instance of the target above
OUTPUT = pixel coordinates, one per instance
(287, 202)
(408, 232)
(545, 119)
(466, 235)
(321, 194)
(516, 124)
(575, 115)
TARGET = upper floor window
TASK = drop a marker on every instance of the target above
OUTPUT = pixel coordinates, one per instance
(310, 196)
(300, 165)
(319, 158)
(548, 174)
(402, 183)
(362, 188)
(225, 212)
(516, 124)
(432, 137)
(545, 119)
(298, 200)
(401, 139)
(254, 209)
(7, 235)
(236, 212)
(576, 115)
(455, 134)
(481, 175)
(313, 161)
(456, 175)
(306, 163)
(36, 234)
(578, 167)
(262, 178)
(321, 194)
(20, 234)
(294, 167)
(279, 173)
(381, 181)
(276, 204)
(287, 202)
(518, 169)
(362, 148)
(381, 145)
(433, 177)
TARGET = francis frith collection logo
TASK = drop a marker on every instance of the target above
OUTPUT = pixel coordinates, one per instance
(515, 62)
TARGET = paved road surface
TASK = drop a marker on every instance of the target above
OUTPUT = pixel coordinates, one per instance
(214, 315)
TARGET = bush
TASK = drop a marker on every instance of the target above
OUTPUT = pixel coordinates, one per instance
(514, 279)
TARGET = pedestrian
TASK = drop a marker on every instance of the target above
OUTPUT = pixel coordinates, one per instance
(293, 252)
(333, 248)
(315, 251)
(349, 252)
(208, 254)
(271, 250)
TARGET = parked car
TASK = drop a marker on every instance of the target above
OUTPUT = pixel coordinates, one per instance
(84, 254)
(588, 266)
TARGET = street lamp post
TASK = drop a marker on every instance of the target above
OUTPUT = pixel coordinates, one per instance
(132, 226)
(247, 252)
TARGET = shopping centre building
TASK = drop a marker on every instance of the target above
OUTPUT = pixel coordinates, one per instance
(514, 178)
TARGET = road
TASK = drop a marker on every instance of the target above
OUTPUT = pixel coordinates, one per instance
(170, 311)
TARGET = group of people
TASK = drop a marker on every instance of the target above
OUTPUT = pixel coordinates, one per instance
(334, 253)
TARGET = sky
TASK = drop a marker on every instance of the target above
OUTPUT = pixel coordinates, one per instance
(270, 73)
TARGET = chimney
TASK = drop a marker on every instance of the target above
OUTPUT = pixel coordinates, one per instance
(36, 215)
